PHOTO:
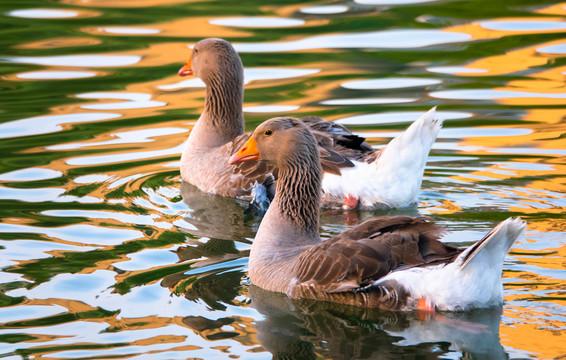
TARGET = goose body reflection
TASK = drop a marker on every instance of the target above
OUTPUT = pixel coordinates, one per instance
(306, 329)
(214, 216)
(355, 174)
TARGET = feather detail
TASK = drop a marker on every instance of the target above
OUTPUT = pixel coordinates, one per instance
(355, 259)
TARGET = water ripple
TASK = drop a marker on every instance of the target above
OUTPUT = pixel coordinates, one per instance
(250, 74)
(325, 9)
(122, 30)
(391, 2)
(43, 13)
(80, 234)
(398, 117)
(49, 123)
(128, 156)
(135, 101)
(105, 252)
(367, 101)
(524, 25)
(270, 108)
(121, 217)
(257, 22)
(553, 49)
(389, 83)
(55, 75)
(455, 70)
(28, 312)
(33, 250)
(392, 39)
(126, 137)
(77, 60)
(30, 174)
(489, 94)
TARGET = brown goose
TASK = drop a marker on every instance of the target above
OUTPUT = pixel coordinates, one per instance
(355, 174)
(394, 262)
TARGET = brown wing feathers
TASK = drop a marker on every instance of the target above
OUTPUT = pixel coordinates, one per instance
(337, 146)
(370, 251)
(339, 134)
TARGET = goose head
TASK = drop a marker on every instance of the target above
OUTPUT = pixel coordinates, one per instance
(284, 141)
(213, 59)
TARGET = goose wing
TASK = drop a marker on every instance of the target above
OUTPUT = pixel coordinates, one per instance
(356, 258)
(338, 144)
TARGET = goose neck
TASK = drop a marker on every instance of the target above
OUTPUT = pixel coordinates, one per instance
(223, 104)
(298, 196)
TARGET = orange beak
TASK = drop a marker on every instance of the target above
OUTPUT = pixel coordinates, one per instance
(186, 69)
(248, 152)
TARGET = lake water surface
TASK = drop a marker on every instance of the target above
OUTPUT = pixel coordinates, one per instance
(104, 254)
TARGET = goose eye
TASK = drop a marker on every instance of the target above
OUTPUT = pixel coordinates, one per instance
(267, 132)
(195, 50)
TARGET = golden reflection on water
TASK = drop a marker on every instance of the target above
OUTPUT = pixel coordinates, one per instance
(479, 32)
(55, 43)
(199, 28)
(532, 329)
(510, 62)
(557, 9)
(526, 334)
(527, 331)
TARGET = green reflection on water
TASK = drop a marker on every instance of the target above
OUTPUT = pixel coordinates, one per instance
(217, 297)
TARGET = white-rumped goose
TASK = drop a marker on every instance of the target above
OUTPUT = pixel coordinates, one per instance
(393, 262)
(355, 174)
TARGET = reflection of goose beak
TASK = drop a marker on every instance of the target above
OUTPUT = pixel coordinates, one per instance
(186, 69)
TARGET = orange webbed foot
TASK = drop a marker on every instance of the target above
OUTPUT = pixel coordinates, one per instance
(351, 202)
(425, 308)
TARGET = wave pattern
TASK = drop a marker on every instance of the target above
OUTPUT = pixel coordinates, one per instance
(105, 254)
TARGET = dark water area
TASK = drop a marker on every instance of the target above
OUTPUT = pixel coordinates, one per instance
(105, 254)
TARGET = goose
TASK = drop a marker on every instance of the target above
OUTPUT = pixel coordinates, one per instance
(391, 262)
(355, 174)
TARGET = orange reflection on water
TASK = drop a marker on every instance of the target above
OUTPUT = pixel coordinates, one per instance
(530, 332)
(55, 43)
(194, 27)
(546, 125)
(554, 258)
(479, 32)
(558, 9)
(512, 61)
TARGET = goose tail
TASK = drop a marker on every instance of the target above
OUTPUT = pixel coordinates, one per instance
(416, 141)
(472, 280)
(489, 252)
(403, 160)
(476, 282)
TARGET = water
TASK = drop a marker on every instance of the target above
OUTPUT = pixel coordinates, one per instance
(104, 254)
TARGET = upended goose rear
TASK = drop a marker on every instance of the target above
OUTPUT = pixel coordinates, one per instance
(355, 174)
(394, 262)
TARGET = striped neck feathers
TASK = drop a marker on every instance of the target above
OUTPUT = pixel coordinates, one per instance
(298, 192)
(223, 103)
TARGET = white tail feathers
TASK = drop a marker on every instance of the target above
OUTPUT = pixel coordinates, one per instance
(414, 144)
(400, 168)
(424, 130)
(491, 250)
(394, 179)
(473, 280)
